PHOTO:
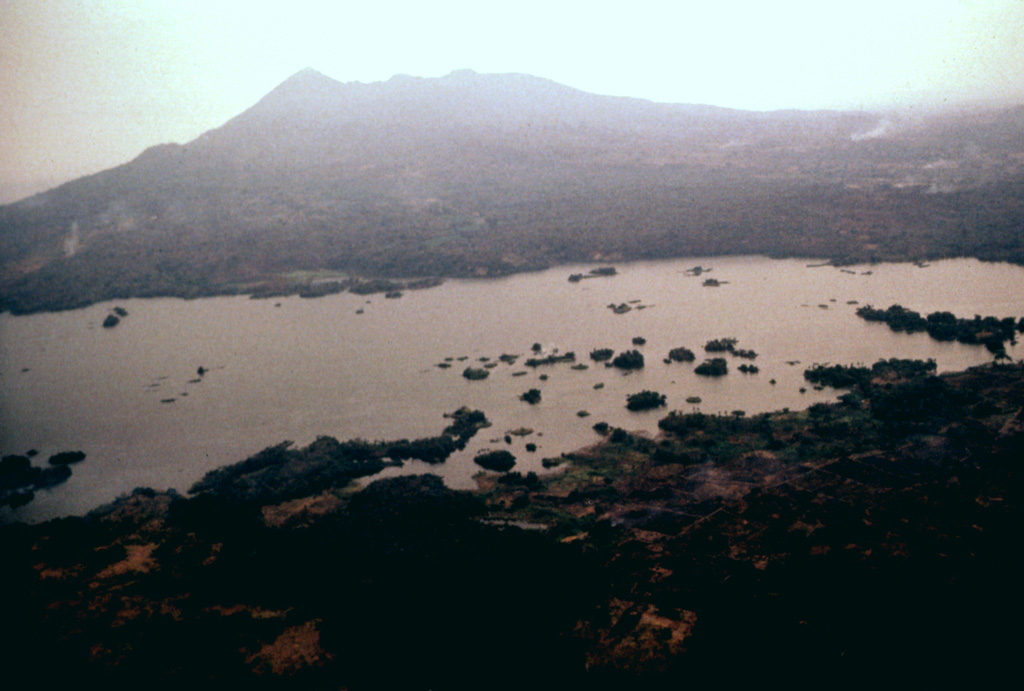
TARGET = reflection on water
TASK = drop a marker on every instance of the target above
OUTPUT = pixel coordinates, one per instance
(355, 366)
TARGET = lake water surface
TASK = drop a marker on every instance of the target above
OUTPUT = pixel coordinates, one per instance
(317, 367)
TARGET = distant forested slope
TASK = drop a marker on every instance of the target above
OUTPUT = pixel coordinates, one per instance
(476, 174)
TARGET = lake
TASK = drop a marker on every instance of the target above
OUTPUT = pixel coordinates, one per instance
(292, 368)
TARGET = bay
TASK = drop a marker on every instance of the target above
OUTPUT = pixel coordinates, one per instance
(131, 397)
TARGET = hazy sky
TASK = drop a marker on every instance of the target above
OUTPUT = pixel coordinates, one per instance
(88, 85)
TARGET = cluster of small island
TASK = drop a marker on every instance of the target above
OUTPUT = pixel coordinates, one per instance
(626, 361)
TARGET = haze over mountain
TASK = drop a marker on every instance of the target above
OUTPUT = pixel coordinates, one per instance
(483, 174)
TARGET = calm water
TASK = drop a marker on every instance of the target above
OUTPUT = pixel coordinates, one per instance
(311, 367)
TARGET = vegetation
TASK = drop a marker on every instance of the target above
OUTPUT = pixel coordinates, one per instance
(475, 373)
(628, 360)
(532, 396)
(601, 354)
(222, 219)
(645, 400)
(466, 423)
(279, 473)
(313, 290)
(66, 457)
(720, 345)
(728, 345)
(19, 479)
(594, 273)
(681, 355)
(816, 540)
(500, 460)
(551, 359)
(991, 332)
(855, 377)
(715, 367)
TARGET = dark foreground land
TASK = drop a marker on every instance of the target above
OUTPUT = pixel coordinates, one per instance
(875, 535)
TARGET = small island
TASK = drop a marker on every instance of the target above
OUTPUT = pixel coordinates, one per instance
(715, 367)
(500, 461)
(551, 359)
(594, 273)
(66, 458)
(720, 345)
(532, 396)
(645, 400)
(681, 355)
(475, 373)
(629, 360)
(728, 345)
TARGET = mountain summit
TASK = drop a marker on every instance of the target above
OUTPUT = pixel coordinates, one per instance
(472, 174)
